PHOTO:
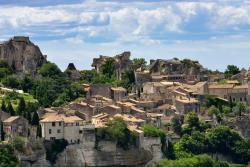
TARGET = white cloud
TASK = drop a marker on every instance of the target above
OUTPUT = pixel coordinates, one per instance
(123, 22)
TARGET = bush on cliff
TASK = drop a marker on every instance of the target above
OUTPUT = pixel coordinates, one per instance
(116, 130)
(54, 148)
(7, 156)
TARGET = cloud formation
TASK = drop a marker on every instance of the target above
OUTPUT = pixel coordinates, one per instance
(105, 21)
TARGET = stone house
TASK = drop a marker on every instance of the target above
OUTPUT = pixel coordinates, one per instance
(15, 126)
(114, 93)
(61, 126)
(236, 93)
(184, 105)
(118, 94)
(100, 120)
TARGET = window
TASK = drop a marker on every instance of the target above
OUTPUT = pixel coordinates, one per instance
(49, 131)
(240, 99)
(60, 123)
(53, 124)
(58, 131)
(77, 124)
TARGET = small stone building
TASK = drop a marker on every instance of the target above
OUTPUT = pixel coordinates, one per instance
(15, 126)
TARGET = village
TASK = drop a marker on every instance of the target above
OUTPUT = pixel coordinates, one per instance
(161, 94)
(163, 90)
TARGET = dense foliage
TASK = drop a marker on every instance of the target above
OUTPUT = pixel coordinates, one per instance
(53, 148)
(116, 130)
(7, 156)
(196, 161)
(53, 87)
(198, 138)
(231, 70)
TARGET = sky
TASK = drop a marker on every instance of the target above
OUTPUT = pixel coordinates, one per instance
(216, 33)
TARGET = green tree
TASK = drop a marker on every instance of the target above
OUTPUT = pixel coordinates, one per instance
(116, 130)
(176, 125)
(21, 106)
(3, 107)
(241, 108)
(18, 144)
(28, 116)
(7, 156)
(11, 81)
(108, 68)
(192, 120)
(2, 132)
(195, 144)
(5, 70)
(27, 83)
(88, 75)
(39, 131)
(35, 119)
(139, 63)
(49, 70)
(195, 161)
(231, 70)
(45, 91)
(242, 151)
(10, 109)
(222, 139)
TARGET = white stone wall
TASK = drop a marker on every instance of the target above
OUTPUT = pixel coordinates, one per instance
(71, 134)
(54, 130)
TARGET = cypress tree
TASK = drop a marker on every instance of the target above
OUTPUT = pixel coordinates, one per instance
(21, 106)
(28, 116)
(35, 119)
(2, 132)
(10, 109)
(3, 107)
(39, 131)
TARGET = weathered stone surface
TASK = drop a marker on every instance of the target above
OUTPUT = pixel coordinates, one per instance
(37, 159)
(72, 72)
(108, 155)
(22, 55)
(122, 63)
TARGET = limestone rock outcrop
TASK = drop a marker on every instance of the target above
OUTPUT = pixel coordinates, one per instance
(72, 72)
(108, 155)
(22, 55)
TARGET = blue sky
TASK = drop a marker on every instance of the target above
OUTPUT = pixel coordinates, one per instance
(216, 33)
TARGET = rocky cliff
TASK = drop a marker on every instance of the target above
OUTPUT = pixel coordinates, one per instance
(109, 155)
(22, 55)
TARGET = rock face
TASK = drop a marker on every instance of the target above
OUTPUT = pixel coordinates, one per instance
(108, 155)
(37, 159)
(22, 55)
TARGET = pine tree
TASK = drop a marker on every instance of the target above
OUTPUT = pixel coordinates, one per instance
(35, 119)
(10, 109)
(21, 106)
(3, 107)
